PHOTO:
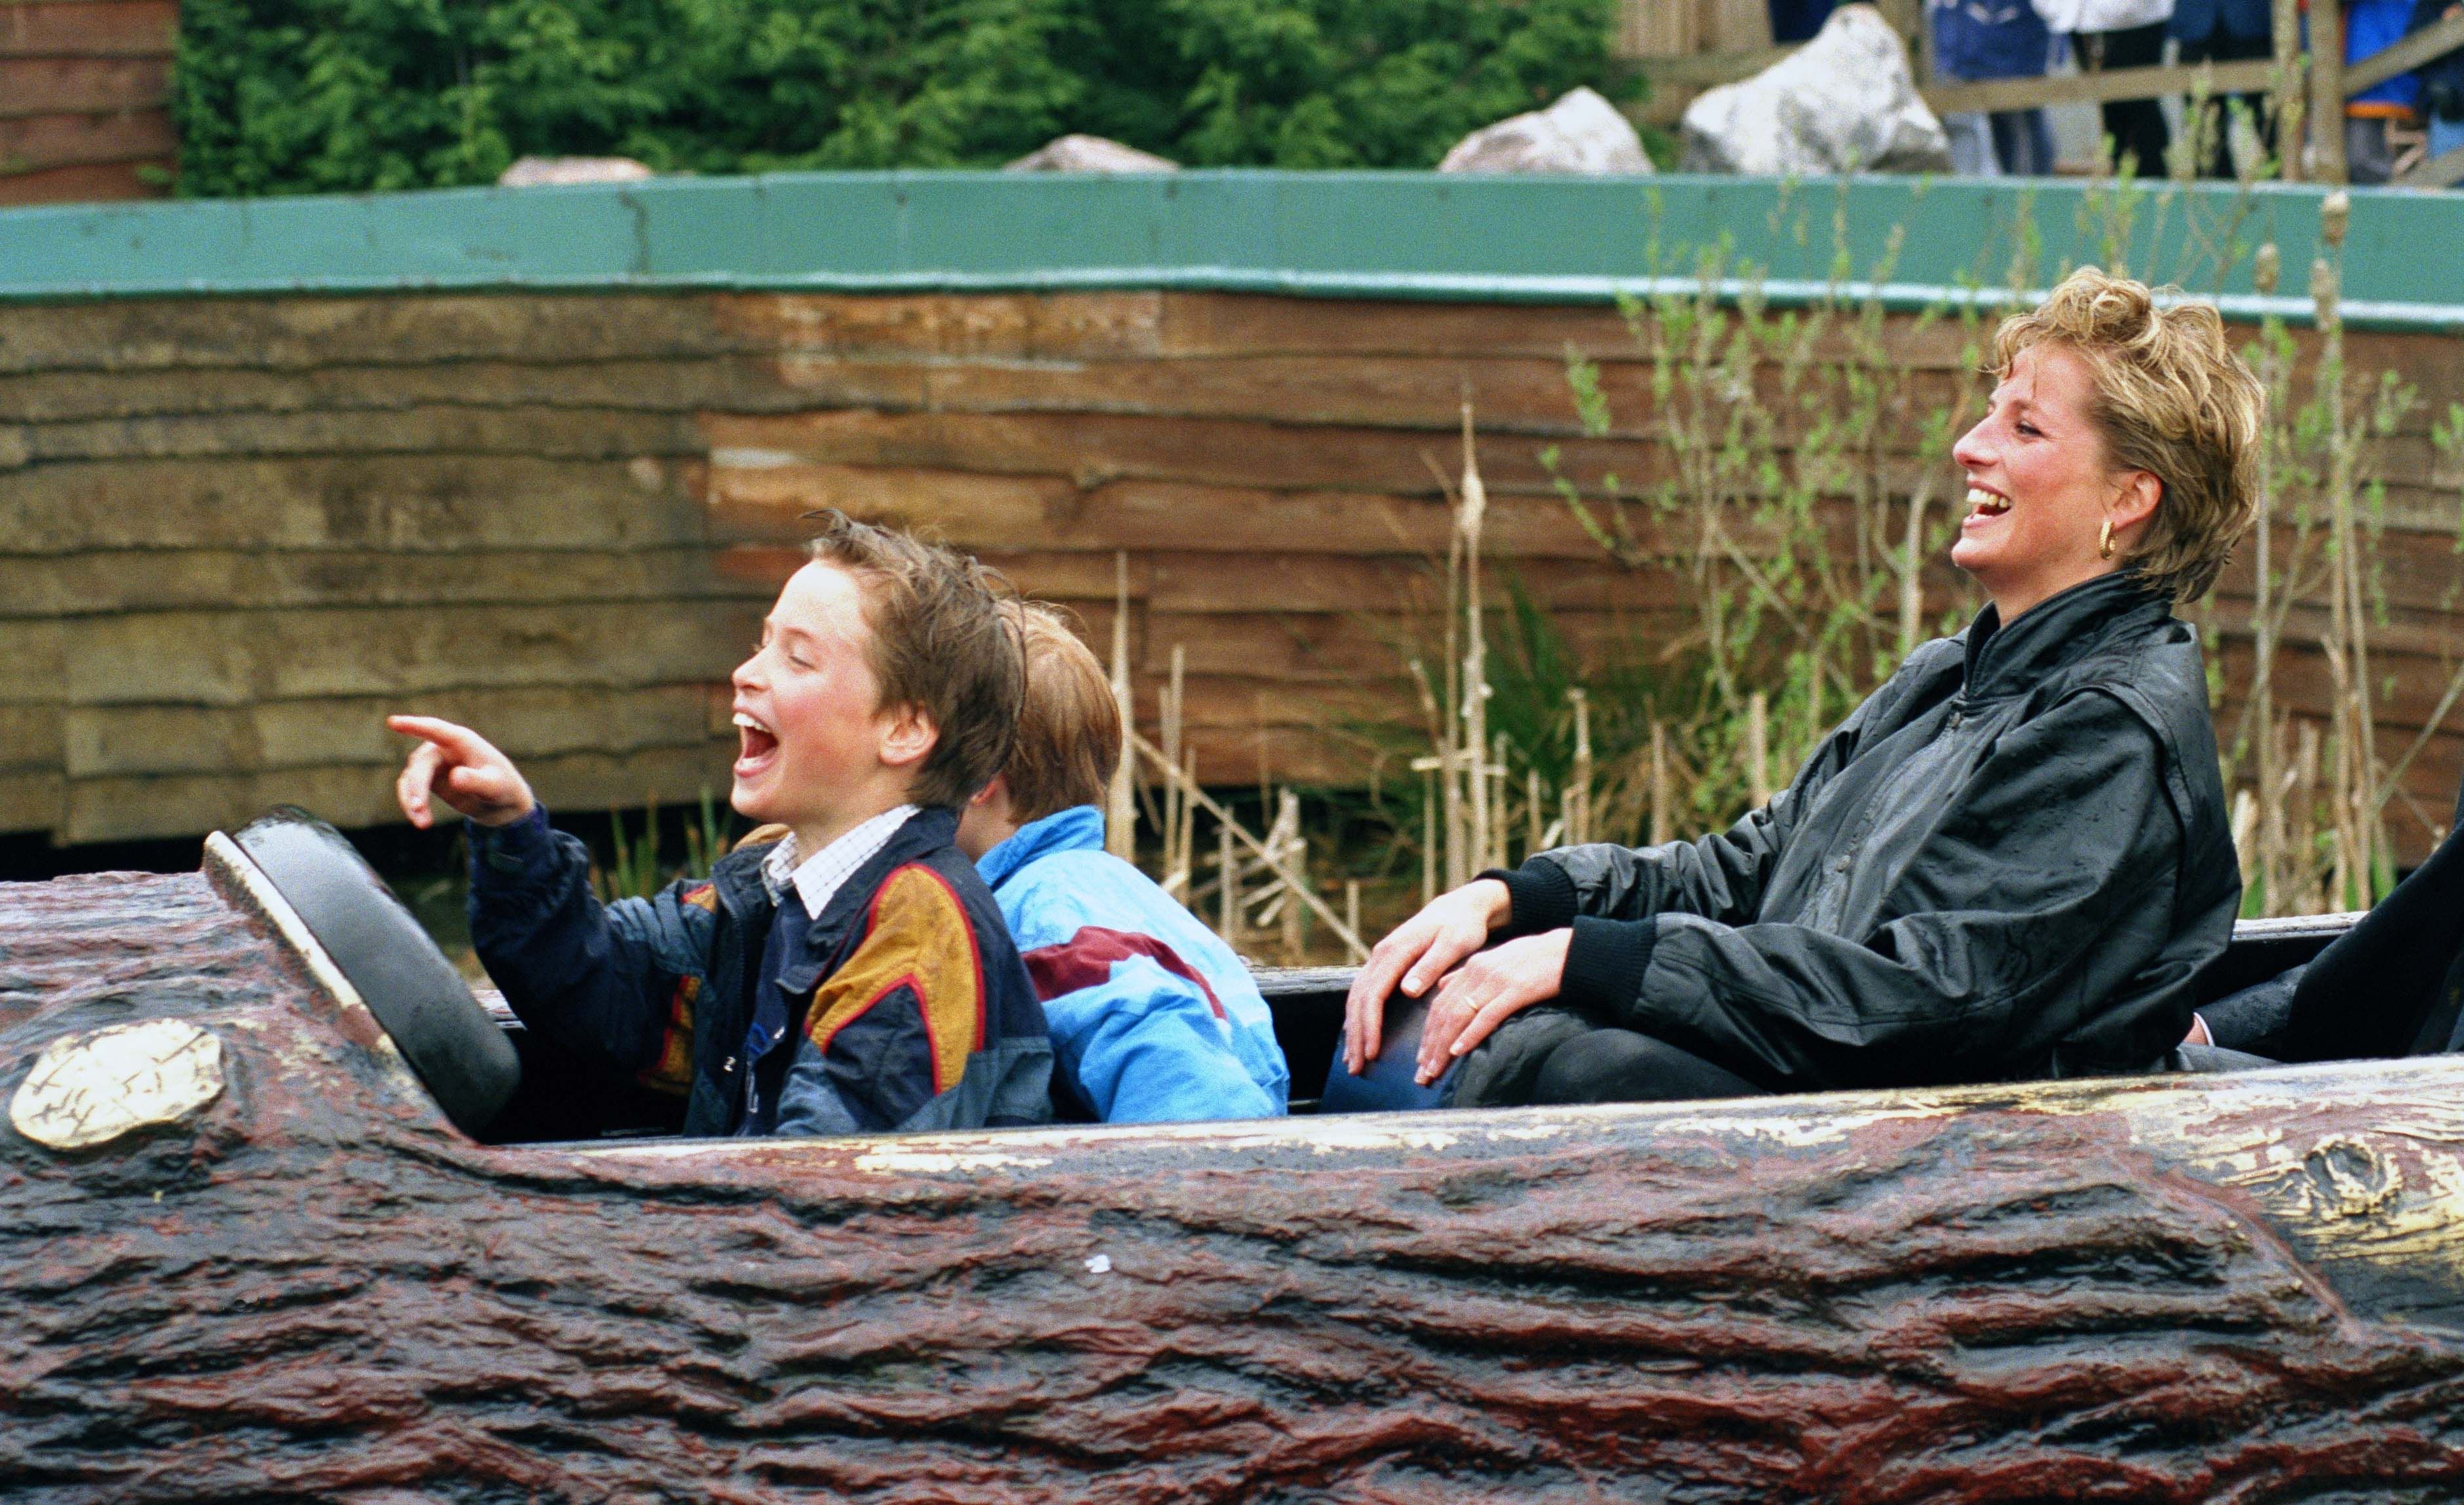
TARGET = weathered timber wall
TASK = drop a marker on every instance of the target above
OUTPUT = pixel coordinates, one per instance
(236, 532)
(85, 95)
(2221, 1288)
(233, 532)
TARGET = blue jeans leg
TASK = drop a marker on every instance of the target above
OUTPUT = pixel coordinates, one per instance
(2023, 140)
(2445, 135)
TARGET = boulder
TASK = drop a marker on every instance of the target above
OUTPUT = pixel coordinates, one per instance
(534, 172)
(1843, 102)
(1581, 132)
(1089, 154)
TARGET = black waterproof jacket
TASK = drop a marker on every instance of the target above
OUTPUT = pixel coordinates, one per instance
(2008, 863)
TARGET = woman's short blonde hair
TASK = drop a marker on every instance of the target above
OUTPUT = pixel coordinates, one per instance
(2172, 399)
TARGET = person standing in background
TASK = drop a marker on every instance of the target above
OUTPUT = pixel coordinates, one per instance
(2224, 32)
(2372, 26)
(2442, 81)
(1797, 20)
(2108, 34)
(1976, 40)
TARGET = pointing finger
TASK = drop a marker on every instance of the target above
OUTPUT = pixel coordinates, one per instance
(461, 741)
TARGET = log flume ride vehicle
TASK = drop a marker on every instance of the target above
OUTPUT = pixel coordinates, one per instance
(247, 1253)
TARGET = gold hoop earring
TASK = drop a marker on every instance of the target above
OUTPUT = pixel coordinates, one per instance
(2104, 541)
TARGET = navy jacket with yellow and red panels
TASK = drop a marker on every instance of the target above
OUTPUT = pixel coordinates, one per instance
(902, 1007)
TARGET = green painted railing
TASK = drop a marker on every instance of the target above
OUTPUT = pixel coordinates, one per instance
(1912, 242)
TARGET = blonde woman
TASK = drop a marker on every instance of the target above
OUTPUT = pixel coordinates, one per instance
(2010, 860)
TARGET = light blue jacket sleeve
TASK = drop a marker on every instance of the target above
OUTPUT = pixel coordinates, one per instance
(1145, 1046)
(1153, 1018)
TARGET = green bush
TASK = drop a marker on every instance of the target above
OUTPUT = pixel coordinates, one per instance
(322, 96)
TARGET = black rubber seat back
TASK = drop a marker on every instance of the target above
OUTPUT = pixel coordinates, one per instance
(451, 1044)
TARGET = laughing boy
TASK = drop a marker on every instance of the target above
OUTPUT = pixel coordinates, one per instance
(854, 977)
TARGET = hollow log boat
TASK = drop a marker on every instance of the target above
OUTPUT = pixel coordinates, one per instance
(246, 1253)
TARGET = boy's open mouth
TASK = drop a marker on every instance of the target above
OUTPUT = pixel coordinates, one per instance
(760, 745)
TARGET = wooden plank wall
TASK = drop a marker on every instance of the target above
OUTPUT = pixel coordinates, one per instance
(85, 93)
(1682, 28)
(235, 531)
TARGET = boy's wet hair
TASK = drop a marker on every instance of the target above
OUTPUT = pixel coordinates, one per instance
(1070, 731)
(945, 640)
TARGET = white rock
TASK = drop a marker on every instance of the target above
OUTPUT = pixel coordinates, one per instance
(1089, 154)
(533, 172)
(1581, 132)
(1843, 102)
(90, 1089)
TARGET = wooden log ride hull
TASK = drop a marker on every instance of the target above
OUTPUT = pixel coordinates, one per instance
(310, 1285)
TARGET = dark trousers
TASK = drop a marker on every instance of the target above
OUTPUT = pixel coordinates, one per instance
(2212, 128)
(1610, 1065)
(2392, 985)
(1553, 1054)
(2023, 143)
(2137, 126)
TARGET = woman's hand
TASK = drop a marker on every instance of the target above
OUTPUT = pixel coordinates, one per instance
(1486, 992)
(1419, 951)
(459, 766)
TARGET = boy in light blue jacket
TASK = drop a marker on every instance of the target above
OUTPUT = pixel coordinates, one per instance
(1153, 1018)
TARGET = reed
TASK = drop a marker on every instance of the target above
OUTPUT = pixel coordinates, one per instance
(1266, 884)
(635, 870)
(1796, 519)
(1121, 805)
(2320, 789)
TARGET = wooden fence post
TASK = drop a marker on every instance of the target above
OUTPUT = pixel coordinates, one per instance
(2328, 90)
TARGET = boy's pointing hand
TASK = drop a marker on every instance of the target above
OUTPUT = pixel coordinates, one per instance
(459, 766)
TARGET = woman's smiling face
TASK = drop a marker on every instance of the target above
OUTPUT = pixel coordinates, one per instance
(2040, 489)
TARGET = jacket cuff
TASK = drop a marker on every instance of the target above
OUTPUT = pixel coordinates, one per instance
(1604, 965)
(1540, 897)
(512, 849)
